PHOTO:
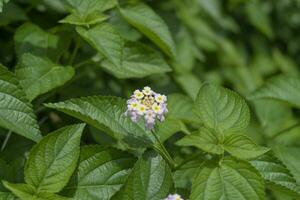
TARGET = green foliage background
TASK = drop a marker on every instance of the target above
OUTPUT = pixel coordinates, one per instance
(230, 69)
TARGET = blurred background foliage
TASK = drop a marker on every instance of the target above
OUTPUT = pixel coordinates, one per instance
(239, 44)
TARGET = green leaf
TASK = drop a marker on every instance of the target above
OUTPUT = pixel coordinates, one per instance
(8, 16)
(40, 75)
(88, 12)
(290, 158)
(107, 114)
(189, 83)
(242, 146)
(138, 61)
(221, 109)
(150, 179)
(142, 17)
(16, 111)
(106, 40)
(284, 88)
(2, 2)
(204, 139)
(277, 176)
(52, 161)
(7, 196)
(230, 180)
(28, 192)
(237, 145)
(31, 38)
(101, 173)
(180, 107)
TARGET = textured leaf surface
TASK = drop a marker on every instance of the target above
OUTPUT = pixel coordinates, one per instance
(283, 88)
(7, 196)
(28, 192)
(31, 38)
(101, 173)
(107, 114)
(39, 75)
(105, 39)
(87, 12)
(204, 139)
(243, 147)
(52, 161)
(231, 180)
(150, 179)
(138, 61)
(278, 177)
(142, 17)
(221, 109)
(16, 112)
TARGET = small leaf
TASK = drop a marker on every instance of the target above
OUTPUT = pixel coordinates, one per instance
(107, 114)
(278, 177)
(150, 179)
(7, 196)
(243, 147)
(16, 111)
(190, 84)
(284, 88)
(88, 12)
(142, 17)
(105, 39)
(221, 109)
(204, 139)
(231, 180)
(52, 161)
(28, 192)
(31, 38)
(138, 61)
(40, 75)
(101, 173)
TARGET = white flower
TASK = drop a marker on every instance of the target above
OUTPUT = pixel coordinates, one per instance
(156, 108)
(138, 94)
(147, 90)
(174, 197)
(141, 109)
(160, 98)
(148, 105)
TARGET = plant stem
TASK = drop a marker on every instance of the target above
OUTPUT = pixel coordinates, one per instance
(5, 140)
(163, 151)
(74, 53)
(285, 130)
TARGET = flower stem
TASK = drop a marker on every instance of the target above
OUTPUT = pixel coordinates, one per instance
(163, 151)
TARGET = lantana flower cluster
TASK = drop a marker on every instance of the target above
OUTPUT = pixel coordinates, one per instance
(174, 197)
(147, 104)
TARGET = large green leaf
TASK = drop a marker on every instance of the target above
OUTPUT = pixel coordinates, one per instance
(101, 173)
(138, 61)
(150, 179)
(28, 192)
(16, 111)
(277, 176)
(283, 88)
(40, 75)
(221, 109)
(142, 17)
(87, 12)
(242, 146)
(31, 38)
(230, 180)
(52, 161)
(105, 39)
(107, 114)
(204, 139)
(290, 157)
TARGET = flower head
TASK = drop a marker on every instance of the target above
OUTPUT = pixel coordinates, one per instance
(148, 105)
(174, 197)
